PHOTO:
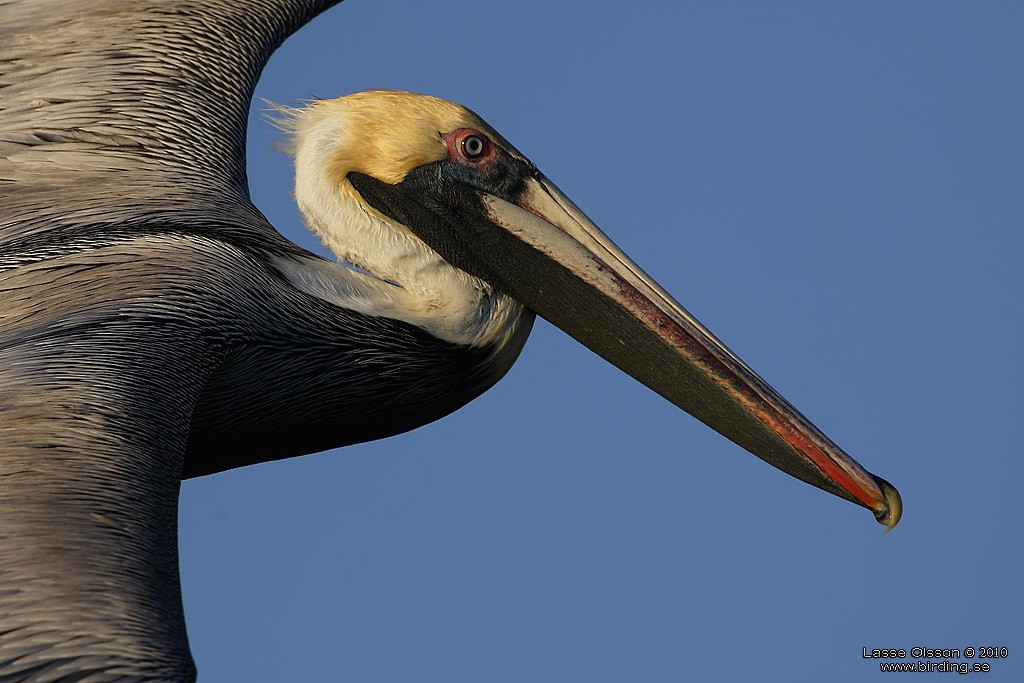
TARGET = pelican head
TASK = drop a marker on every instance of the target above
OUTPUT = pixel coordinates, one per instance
(444, 224)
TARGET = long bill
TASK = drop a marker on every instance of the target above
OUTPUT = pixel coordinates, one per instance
(575, 277)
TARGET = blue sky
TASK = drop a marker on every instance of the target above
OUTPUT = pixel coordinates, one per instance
(836, 191)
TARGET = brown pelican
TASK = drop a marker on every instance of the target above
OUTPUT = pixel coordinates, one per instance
(154, 326)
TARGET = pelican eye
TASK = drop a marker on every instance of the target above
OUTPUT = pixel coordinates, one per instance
(473, 147)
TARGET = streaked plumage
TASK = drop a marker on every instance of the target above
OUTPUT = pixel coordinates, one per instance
(154, 326)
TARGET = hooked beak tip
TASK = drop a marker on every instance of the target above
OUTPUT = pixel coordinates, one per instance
(891, 509)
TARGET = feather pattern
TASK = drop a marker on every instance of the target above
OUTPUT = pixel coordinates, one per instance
(153, 325)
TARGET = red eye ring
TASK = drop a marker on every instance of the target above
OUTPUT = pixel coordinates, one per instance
(470, 147)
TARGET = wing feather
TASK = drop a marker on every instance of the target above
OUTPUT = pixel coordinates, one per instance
(131, 104)
(97, 387)
(118, 118)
